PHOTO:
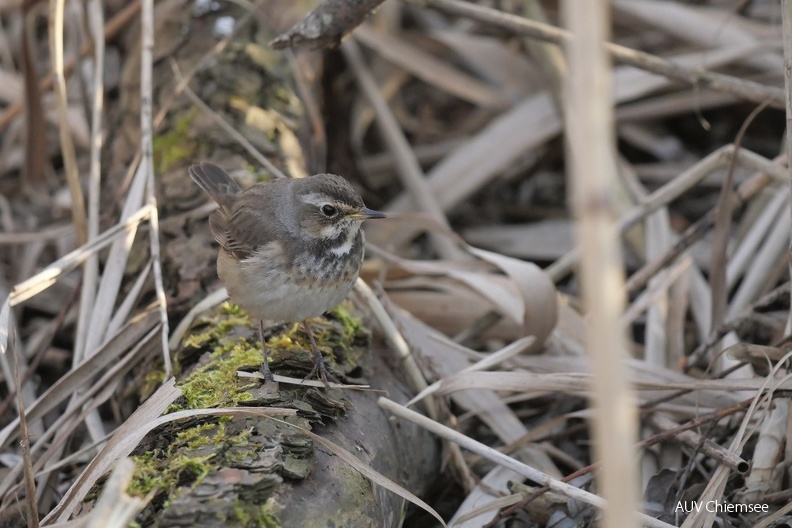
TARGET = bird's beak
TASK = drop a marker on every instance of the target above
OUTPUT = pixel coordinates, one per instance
(367, 214)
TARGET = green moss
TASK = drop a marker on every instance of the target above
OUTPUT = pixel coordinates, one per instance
(151, 382)
(218, 325)
(194, 451)
(353, 328)
(267, 514)
(147, 476)
(241, 439)
(168, 470)
(191, 455)
(151, 472)
(343, 333)
(243, 516)
(176, 145)
(217, 384)
(228, 308)
(263, 515)
(288, 340)
(196, 468)
(340, 333)
(200, 436)
(198, 340)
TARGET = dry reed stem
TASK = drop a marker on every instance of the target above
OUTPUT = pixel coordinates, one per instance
(52, 232)
(49, 275)
(499, 458)
(748, 246)
(431, 70)
(757, 229)
(700, 443)
(83, 393)
(114, 508)
(771, 520)
(695, 76)
(486, 362)
(147, 164)
(715, 487)
(119, 22)
(694, 233)
(115, 264)
(675, 188)
(95, 16)
(124, 439)
(764, 477)
(30, 485)
(672, 431)
(786, 22)
(95, 395)
(398, 345)
(56, 19)
(590, 146)
(409, 169)
(721, 232)
(550, 57)
(735, 320)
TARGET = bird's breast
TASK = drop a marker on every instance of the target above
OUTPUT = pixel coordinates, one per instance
(275, 285)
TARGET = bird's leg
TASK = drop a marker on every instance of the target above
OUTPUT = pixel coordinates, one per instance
(319, 370)
(264, 368)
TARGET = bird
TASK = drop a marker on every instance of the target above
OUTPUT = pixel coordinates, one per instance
(290, 248)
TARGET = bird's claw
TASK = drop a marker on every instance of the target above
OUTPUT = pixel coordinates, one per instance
(319, 370)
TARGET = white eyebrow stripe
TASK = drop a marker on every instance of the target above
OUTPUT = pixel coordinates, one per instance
(317, 199)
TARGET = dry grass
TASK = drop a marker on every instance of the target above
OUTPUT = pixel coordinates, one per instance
(586, 287)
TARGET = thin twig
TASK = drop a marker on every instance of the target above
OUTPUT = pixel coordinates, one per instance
(499, 458)
(696, 77)
(239, 138)
(95, 15)
(147, 163)
(722, 224)
(117, 23)
(693, 234)
(67, 144)
(729, 326)
(30, 483)
(409, 169)
(676, 188)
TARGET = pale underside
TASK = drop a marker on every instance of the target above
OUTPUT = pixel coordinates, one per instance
(291, 294)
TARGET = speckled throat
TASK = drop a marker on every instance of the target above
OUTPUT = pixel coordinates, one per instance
(321, 264)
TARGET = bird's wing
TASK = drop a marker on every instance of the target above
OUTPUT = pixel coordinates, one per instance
(249, 223)
(218, 221)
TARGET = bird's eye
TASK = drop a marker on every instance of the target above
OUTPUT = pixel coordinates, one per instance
(329, 211)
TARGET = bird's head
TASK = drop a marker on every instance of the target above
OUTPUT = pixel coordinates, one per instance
(329, 208)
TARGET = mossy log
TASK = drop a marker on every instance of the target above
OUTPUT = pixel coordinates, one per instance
(251, 471)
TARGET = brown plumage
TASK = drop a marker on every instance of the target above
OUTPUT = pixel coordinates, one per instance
(290, 249)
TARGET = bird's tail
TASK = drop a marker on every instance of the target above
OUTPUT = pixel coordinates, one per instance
(215, 182)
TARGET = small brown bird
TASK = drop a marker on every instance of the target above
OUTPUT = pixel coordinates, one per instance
(290, 249)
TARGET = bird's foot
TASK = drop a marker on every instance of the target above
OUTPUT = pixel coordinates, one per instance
(266, 372)
(269, 379)
(320, 371)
